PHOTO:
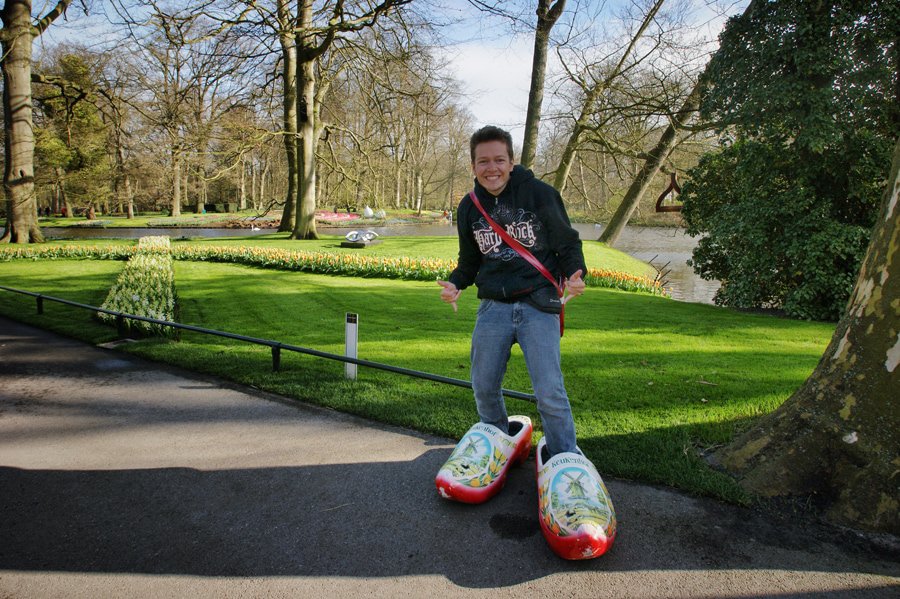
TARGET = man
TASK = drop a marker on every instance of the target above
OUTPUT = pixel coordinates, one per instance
(519, 305)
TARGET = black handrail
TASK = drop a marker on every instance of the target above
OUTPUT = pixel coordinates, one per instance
(276, 346)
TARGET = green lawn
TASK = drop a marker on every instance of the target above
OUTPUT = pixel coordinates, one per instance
(652, 381)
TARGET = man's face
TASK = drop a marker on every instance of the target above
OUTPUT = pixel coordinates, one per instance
(492, 165)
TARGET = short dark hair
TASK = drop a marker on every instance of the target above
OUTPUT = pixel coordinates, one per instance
(491, 133)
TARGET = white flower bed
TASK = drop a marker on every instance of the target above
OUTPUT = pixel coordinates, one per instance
(146, 287)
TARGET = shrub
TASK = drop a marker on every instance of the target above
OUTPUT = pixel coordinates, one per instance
(770, 236)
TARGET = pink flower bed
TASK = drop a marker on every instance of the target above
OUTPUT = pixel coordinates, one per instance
(334, 216)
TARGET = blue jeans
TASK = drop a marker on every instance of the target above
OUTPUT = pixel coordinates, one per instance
(499, 325)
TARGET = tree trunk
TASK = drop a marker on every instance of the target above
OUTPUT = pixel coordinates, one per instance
(655, 158)
(242, 189)
(547, 17)
(129, 196)
(123, 182)
(305, 220)
(419, 187)
(263, 180)
(69, 210)
(398, 184)
(254, 172)
(289, 117)
(176, 181)
(837, 438)
(16, 39)
(202, 190)
(186, 184)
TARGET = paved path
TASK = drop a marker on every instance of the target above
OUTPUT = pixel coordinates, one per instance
(124, 478)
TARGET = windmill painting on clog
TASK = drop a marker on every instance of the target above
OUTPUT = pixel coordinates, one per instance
(574, 507)
(477, 468)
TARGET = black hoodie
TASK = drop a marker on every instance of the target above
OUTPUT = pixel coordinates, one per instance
(533, 213)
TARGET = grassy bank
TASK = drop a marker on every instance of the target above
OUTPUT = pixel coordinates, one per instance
(652, 382)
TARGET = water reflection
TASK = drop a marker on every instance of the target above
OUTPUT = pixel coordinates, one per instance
(668, 249)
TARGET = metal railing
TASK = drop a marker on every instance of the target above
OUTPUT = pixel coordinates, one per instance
(276, 346)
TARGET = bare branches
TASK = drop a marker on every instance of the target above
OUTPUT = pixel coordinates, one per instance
(44, 22)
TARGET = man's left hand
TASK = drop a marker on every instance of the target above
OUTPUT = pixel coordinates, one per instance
(574, 286)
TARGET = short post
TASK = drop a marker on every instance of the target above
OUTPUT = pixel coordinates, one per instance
(276, 358)
(40, 304)
(120, 326)
(350, 339)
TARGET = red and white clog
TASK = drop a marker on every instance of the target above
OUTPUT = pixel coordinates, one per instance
(574, 507)
(477, 468)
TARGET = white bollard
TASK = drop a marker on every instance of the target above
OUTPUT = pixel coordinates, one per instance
(350, 340)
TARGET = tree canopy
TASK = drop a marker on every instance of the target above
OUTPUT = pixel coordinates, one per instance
(805, 98)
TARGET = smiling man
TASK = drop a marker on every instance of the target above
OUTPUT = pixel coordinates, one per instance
(520, 304)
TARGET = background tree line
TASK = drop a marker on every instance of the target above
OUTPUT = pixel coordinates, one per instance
(185, 106)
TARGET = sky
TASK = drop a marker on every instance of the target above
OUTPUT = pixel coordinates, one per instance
(497, 78)
(494, 64)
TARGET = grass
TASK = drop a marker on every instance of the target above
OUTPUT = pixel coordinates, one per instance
(652, 382)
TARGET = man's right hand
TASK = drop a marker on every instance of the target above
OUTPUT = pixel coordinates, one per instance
(449, 293)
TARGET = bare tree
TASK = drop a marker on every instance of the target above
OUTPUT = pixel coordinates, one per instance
(314, 33)
(189, 64)
(652, 163)
(655, 158)
(16, 37)
(593, 91)
(115, 91)
(547, 15)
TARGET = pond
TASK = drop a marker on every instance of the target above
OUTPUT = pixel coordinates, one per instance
(668, 249)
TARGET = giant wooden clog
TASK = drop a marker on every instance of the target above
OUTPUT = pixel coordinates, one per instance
(574, 507)
(477, 468)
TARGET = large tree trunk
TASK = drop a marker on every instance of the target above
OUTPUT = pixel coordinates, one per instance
(305, 217)
(652, 164)
(547, 17)
(837, 438)
(305, 220)
(18, 176)
(289, 74)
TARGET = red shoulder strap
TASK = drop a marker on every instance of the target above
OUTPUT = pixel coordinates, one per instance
(522, 251)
